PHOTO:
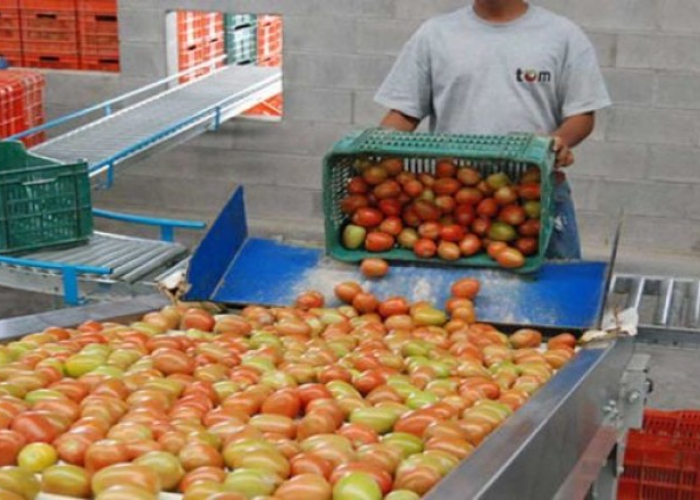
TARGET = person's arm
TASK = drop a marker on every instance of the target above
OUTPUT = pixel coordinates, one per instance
(396, 120)
(572, 132)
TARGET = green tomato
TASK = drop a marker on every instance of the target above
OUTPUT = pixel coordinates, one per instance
(36, 457)
(357, 486)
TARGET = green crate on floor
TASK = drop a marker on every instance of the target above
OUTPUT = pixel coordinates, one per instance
(42, 203)
(512, 154)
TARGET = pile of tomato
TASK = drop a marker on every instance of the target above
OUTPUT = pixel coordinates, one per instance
(453, 214)
(373, 399)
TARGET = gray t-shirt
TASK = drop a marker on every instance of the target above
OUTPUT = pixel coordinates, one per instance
(474, 77)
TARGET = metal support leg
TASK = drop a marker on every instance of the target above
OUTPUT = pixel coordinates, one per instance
(167, 233)
(71, 295)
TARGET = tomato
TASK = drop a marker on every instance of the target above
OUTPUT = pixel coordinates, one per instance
(530, 228)
(557, 358)
(126, 492)
(452, 233)
(496, 248)
(312, 392)
(374, 268)
(393, 306)
(365, 303)
(513, 215)
(505, 195)
(20, 482)
(359, 434)
(197, 454)
(379, 242)
(171, 361)
(381, 477)
(446, 204)
(466, 288)
(307, 486)
(202, 474)
(35, 427)
(390, 207)
(165, 465)
(387, 189)
(105, 453)
(446, 186)
(530, 192)
(413, 188)
(448, 251)
(415, 423)
(121, 474)
(445, 168)
(533, 209)
(352, 203)
(487, 208)
(425, 248)
(310, 300)
(427, 211)
(36, 457)
(357, 486)
(561, 340)
(393, 166)
(430, 230)
(198, 319)
(316, 423)
(468, 196)
(469, 176)
(510, 258)
(527, 246)
(357, 185)
(375, 175)
(11, 442)
(391, 225)
(419, 479)
(284, 402)
(66, 480)
(470, 245)
(481, 226)
(456, 446)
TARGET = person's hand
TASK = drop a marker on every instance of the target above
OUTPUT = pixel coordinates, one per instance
(565, 156)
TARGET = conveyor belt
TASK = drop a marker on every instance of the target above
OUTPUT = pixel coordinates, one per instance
(168, 118)
(665, 304)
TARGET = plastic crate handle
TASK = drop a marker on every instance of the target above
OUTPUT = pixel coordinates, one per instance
(39, 182)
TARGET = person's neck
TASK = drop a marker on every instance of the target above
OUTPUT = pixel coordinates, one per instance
(500, 11)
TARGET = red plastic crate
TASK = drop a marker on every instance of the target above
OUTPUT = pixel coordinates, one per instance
(51, 60)
(21, 103)
(273, 107)
(12, 56)
(10, 30)
(99, 34)
(108, 64)
(48, 5)
(9, 4)
(97, 6)
(48, 26)
(213, 27)
(271, 62)
(191, 29)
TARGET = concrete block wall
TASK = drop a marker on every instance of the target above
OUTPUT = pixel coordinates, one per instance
(643, 157)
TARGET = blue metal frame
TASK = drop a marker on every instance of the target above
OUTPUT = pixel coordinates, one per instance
(69, 274)
(167, 226)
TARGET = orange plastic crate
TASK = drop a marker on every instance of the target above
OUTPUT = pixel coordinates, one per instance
(97, 6)
(9, 4)
(48, 25)
(214, 27)
(271, 62)
(51, 60)
(108, 64)
(273, 107)
(99, 34)
(10, 30)
(21, 103)
(48, 5)
(12, 56)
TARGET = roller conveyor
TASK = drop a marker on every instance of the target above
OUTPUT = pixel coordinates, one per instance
(167, 119)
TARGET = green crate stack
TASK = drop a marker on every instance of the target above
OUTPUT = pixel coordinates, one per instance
(512, 154)
(42, 203)
(241, 38)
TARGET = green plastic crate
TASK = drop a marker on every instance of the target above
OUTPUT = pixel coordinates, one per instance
(512, 154)
(241, 42)
(42, 203)
(233, 21)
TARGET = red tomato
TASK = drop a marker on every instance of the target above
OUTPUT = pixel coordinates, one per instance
(430, 230)
(11, 442)
(72, 447)
(365, 303)
(391, 225)
(453, 233)
(358, 434)
(448, 251)
(393, 306)
(427, 211)
(413, 188)
(307, 486)
(512, 214)
(198, 319)
(379, 242)
(311, 392)
(410, 217)
(387, 189)
(469, 196)
(530, 228)
(510, 258)
(470, 245)
(202, 474)
(334, 372)
(530, 191)
(375, 175)
(481, 226)
(562, 340)
(487, 208)
(367, 217)
(352, 203)
(527, 246)
(505, 195)
(382, 477)
(425, 249)
(105, 453)
(446, 186)
(391, 208)
(347, 291)
(496, 248)
(374, 268)
(446, 204)
(308, 463)
(469, 176)
(357, 185)
(310, 300)
(35, 427)
(466, 288)
(393, 166)
(316, 423)
(283, 402)
(445, 168)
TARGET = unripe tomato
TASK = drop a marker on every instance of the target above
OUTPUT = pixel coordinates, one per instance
(66, 480)
(36, 457)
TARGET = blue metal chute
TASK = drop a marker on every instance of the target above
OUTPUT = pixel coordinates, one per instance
(230, 267)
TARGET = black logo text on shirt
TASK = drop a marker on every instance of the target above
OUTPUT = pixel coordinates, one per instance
(532, 76)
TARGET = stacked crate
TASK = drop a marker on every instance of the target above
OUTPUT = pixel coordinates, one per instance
(21, 103)
(200, 39)
(269, 54)
(10, 32)
(241, 39)
(98, 32)
(49, 33)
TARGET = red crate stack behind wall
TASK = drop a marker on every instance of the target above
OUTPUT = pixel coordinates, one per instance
(200, 39)
(49, 33)
(21, 103)
(98, 31)
(10, 32)
(270, 33)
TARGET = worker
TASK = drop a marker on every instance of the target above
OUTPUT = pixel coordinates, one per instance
(502, 66)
